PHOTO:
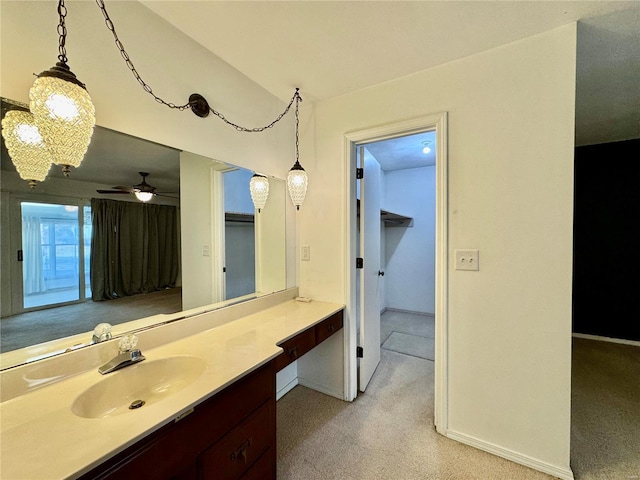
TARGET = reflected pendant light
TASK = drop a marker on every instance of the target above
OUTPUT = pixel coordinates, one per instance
(259, 188)
(297, 180)
(25, 146)
(63, 111)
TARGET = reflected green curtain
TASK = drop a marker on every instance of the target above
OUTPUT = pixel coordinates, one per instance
(134, 248)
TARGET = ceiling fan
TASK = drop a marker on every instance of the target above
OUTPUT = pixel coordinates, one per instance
(143, 191)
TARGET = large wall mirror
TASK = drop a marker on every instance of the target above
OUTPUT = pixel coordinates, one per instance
(217, 248)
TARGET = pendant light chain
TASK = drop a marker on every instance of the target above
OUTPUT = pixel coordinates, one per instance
(125, 56)
(62, 32)
(191, 105)
(240, 128)
(297, 97)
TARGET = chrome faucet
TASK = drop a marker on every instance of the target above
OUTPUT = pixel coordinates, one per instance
(128, 355)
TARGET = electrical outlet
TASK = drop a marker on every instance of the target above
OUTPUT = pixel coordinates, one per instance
(305, 253)
(467, 260)
(205, 250)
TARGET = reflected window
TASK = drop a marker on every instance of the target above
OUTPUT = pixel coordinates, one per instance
(51, 253)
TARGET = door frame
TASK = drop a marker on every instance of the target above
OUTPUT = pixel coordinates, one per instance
(438, 123)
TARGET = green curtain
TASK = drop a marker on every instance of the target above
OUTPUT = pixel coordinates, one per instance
(134, 248)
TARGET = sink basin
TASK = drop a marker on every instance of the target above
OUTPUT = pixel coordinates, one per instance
(137, 386)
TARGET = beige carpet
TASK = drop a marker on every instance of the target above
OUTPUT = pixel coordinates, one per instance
(386, 433)
(605, 411)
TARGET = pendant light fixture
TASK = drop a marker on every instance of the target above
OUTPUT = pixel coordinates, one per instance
(62, 108)
(297, 180)
(25, 146)
(259, 188)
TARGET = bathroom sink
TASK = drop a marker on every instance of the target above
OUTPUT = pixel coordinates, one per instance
(137, 386)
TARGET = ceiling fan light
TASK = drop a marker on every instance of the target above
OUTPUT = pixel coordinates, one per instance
(259, 188)
(64, 114)
(25, 146)
(143, 196)
(297, 182)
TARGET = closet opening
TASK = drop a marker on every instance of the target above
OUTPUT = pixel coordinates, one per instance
(397, 276)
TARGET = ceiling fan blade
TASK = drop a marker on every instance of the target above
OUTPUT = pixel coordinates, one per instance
(120, 187)
(167, 195)
(113, 191)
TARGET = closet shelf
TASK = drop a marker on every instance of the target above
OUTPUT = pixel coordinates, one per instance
(238, 217)
(395, 220)
(390, 219)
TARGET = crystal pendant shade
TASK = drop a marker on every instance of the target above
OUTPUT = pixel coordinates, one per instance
(297, 182)
(25, 146)
(65, 117)
(259, 188)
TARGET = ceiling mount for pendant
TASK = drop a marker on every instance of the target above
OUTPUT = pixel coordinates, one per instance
(199, 105)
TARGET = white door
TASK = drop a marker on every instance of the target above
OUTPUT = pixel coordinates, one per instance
(369, 279)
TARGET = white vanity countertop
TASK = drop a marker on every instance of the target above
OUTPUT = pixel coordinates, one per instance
(42, 439)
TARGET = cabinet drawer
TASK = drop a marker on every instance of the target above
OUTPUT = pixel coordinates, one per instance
(264, 468)
(295, 347)
(328, 327)
(237, 451)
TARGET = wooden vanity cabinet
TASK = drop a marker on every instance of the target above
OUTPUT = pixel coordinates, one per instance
(328, 326)
(232, 435)
(304, 341)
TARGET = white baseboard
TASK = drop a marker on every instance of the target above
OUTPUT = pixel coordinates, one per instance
(400, 310)
(607, 339)
(286, 389)
(560, 472)
(320, 388)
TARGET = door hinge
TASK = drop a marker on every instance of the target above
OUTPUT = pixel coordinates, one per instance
(359, 262)
(359, 352)
(359, 173)
(20, 255)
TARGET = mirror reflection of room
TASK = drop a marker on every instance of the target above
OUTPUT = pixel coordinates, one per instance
(85, 249)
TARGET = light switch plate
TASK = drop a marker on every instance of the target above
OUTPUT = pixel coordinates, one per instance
(467, 260)
(305, 253)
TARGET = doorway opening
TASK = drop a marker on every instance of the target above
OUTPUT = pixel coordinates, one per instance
(371, 288)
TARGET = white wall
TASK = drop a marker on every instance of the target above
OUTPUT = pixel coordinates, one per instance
(196, 227)
(410, 251)
(511, 128)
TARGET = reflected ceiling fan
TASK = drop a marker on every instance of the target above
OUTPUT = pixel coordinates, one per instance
(143, 191)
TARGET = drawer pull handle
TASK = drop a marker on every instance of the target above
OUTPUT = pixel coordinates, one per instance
(332, 328)
(241, 452)
(293, 352)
